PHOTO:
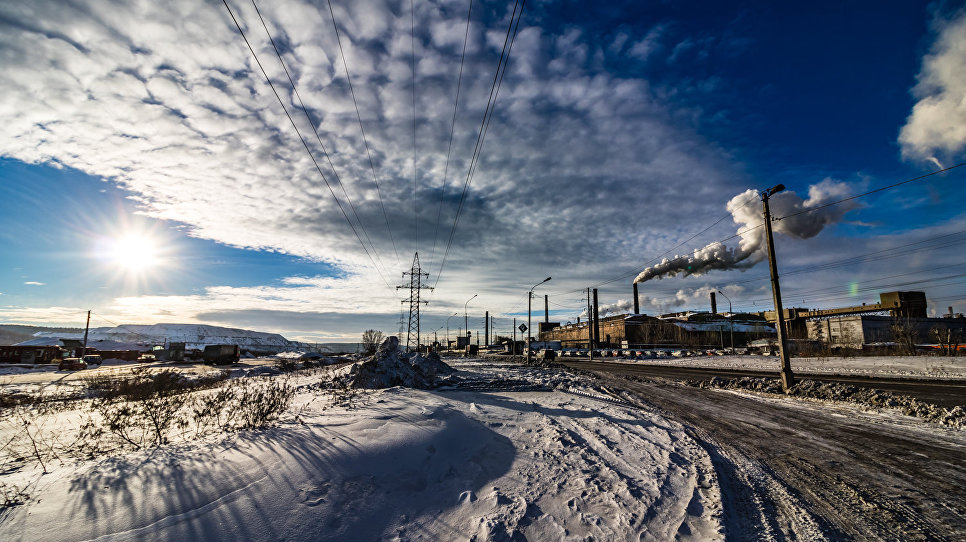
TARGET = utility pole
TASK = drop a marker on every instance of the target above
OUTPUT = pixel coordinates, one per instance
(87, 328)
(513, 347)
(787, 377)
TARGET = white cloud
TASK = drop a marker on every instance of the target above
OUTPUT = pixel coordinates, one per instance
(937, 124)
(165, 99)
(34, 283)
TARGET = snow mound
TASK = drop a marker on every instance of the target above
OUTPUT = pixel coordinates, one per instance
(388, 367)
(825, 391)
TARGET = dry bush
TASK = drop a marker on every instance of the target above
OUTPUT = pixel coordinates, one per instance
(261, 403)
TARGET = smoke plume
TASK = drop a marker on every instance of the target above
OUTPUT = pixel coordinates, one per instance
(747, 214)
(623, 306)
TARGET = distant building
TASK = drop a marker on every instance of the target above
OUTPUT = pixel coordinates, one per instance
(684, 329)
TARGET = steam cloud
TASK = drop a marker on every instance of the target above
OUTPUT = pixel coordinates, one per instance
(751, 247)
(622, 306)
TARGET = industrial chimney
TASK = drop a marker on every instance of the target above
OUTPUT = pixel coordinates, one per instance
(637, 306)
(714, 304)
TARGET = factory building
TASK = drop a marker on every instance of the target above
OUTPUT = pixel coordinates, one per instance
(898, 317)
(699, 329)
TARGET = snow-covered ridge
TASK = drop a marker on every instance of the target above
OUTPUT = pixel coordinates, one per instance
(193, 335)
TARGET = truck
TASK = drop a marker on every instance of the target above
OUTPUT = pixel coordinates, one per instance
(221, 354)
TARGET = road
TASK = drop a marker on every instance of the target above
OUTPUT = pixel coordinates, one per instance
(792, 469)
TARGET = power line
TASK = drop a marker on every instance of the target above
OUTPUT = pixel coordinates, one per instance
(304, 143)
(487, 115)
(668, 251)
(325, 153)
(803, 211)
(372, 166)
(412, 42)
(850, 198)
(452, 133)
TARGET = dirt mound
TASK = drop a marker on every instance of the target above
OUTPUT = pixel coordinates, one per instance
(389, 367)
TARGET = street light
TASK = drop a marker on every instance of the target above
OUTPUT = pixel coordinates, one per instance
(731, 321)
(466, 323)
(447, 329)
(529, 323)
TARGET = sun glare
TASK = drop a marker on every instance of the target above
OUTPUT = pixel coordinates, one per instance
(135, 252)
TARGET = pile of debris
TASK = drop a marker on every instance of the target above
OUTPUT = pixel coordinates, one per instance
(389, 367)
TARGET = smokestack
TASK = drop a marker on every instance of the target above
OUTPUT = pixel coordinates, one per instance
(950, 312)
(714, 304)
(637, 306)
(546, 309)
(596, 320)
(487, 328)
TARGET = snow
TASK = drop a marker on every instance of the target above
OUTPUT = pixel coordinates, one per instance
(193, 335)
(925, 367)
(501, 452)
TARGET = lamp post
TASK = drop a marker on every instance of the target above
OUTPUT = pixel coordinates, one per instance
(466, 323)
(529, 322)
(447, 329)
(731, 322)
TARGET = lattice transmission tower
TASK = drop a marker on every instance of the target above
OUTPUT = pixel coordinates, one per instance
(415, 287)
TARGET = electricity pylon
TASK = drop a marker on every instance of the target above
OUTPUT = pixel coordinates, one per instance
(415, 287)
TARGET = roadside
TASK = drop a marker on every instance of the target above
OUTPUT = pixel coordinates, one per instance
(857, 474)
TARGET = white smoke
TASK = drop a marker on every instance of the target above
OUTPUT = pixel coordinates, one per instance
(747, 214)
(622, 306)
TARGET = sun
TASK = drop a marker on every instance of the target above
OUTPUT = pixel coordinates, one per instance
(135, 252)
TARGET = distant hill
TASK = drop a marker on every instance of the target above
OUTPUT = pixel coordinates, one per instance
(193, 335)
(15, 333)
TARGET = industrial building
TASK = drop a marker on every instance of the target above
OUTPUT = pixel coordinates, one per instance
(699, 329)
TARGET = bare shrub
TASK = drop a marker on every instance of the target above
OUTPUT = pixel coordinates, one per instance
(287, 365)
(261, 403)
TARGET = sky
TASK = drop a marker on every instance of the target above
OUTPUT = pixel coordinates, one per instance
(149, 173)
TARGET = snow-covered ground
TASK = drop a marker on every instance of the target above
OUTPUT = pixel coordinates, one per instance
(931, 367)
(501, 453)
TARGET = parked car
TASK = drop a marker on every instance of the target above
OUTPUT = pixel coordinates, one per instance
(71, 364)
(92, 359)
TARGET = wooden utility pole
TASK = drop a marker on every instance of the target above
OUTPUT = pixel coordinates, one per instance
(87, 328)
(787, 377)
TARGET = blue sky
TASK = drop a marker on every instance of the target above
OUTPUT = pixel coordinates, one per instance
(147, 171)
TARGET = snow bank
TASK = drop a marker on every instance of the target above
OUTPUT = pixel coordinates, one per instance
(388, 367)
(405, 465)
(925, 367)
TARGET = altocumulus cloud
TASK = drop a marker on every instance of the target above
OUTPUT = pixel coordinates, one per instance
(164, 100)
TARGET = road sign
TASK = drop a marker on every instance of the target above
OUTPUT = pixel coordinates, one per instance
(522, 328)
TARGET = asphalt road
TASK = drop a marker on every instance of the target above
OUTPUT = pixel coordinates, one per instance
(946, 393)
(795, 470)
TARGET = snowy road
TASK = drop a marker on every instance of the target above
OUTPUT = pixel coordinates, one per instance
(795, 469)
